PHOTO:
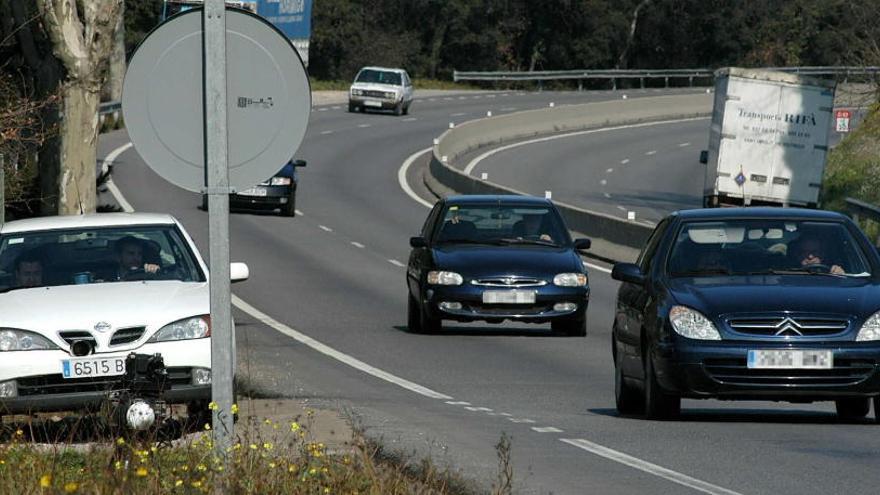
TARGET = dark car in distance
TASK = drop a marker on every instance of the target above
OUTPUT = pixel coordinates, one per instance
(778, 304)
(495, 258)
(278, 192)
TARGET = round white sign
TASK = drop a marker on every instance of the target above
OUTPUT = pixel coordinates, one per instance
(268, 100)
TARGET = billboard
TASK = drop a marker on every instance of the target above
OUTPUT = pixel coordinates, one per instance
(292, 17)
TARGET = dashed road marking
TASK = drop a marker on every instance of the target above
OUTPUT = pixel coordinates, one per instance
(682, 145)
(652, 152)
(458, 403)
(396, 263)
(299, 213)
(325, 228)
(478, 409)
(621, 208)
(459, 114)
(326, 132)
(363, 125)
(609, 171)
(520, 420)
(357, 244)
(603, 182)
(546, 429)
(409, 119)
(624, 161)
(607, 196)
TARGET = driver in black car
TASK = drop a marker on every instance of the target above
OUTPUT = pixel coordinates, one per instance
(532, 225)
(811, 251)
(130, 255)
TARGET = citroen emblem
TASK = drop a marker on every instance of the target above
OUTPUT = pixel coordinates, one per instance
(788, 325)
(508, 281)
(102, 326)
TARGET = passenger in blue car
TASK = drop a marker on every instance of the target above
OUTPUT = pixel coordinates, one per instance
(810, 252)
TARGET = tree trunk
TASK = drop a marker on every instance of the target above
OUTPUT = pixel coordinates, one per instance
(79, 133)
(112, 90)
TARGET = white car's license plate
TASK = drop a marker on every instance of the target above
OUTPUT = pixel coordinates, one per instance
(254, 191)
(791, 359)
(371, 103)
(92, 367)
(509, 297)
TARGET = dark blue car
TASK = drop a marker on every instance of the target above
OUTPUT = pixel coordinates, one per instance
(749, 303)
(496, 258)
(277, 192)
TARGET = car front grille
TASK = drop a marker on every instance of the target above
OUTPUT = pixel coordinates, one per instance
(509, 282)
(377, 94)
(736, 372)
(71, 336)
(787, 326)
(507, 309)
(127, 335)
(57, 384)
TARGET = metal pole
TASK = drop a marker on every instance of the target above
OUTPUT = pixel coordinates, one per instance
(2, 189)
(217, 179)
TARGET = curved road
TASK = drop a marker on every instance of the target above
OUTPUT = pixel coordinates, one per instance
(334, 274)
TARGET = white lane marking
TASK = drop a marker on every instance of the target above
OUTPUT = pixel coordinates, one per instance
(325, 228)
(520, 420)
(682, 145)
(489, 153)
(609, 171)
(607, 196)
(326, 132)
(410, 119)
(357, 245)
(333, 353)
(508, 109)
(322, 109)
(546, 429)
(652, 152)
(490, 96)
(462, 97)
(621, 208)
(478, 97)
(505, 414)
(624, 161)
(448, 98)
(299, 213)
(111, 186)
(458, 403)
(648, 223)
(290, 332)
(336, 107)
(505, 94)
(478, 409)
(662, 472)
(396, 263)
(458, 114)
(401, 178)
(603, 182)
(432, 99)
(363, 126)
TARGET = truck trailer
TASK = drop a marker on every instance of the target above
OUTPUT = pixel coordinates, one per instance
(768, 139)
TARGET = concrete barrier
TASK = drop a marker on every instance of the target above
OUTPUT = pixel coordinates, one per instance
(493, 131)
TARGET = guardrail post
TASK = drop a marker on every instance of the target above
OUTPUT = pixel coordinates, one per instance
(666, 81)
(580, 84)
(540, 85)
(614, 84)
(691, 81)
(642, 82)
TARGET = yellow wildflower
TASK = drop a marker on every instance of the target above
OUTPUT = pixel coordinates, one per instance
(141, 471)
(196, 484)
(267, 421)
(313, 471)
(212, 406)
(202, 467)
(70, 487)
(117, 465)
(326, 490)
(267, 446)
(2, 462)
(294, 426)
(253, 446)
(19, 433)
(46, 481)
(178, 482)
(234, 409)
(292, 468)
(271, 465)
(207, 426)
(120, 441)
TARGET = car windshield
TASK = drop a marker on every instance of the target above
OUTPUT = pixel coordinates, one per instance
(502, 225)
(379, 76)
(95, 255)
(766, 246)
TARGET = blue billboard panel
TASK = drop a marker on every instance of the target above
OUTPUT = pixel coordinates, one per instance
(292, 17)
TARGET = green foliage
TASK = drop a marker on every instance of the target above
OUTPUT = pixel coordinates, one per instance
(141, 16)
(853, 168)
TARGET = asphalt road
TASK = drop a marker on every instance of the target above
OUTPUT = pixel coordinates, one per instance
(334, 274)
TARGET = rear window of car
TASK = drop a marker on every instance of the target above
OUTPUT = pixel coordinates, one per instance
(755, 246)
(379, 77)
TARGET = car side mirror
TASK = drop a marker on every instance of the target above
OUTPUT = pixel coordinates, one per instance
(238, 272)
(628, 272)
(299, 163)
(583, 243)
(418, 242)
(704, 156)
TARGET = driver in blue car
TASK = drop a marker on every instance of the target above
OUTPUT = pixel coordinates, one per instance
(130, 254)
(532, 225)
(811, 252)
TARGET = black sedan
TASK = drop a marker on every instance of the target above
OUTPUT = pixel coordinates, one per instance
(496, 258)
(777, 304)
(278, 192)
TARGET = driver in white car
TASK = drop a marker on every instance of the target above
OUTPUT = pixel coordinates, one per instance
(130, 254)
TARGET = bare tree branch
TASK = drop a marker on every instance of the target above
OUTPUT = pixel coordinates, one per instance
(632, 33)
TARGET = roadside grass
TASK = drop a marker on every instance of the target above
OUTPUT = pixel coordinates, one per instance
(267, 457)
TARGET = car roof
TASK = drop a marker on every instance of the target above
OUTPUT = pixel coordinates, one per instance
(758, 212)
(488, 199)
(86, 221)
(389, 69)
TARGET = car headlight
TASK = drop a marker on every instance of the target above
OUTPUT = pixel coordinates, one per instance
(279, 181)
(20, 340)
(870, 330)
(444, 278)
(691, 324)
(196, 327)
(393, 96)
(570, 280)
(357, 92)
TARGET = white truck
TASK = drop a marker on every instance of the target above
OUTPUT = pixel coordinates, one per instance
(768, 138)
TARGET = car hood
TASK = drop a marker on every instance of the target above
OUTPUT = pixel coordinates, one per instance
(776, 293)
(376, 87)
(120, 304)
(526, 261)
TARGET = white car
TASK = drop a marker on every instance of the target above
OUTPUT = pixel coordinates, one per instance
(381, 88)
(76, 298)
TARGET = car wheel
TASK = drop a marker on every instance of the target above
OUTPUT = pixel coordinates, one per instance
(289, 210)
(427, 323)
(406, 108)
(413, 315)
(398, 109)
(629, 399)
(352, 107)
(204, 202)
(573, 327)
(658, 404)
(855, 408)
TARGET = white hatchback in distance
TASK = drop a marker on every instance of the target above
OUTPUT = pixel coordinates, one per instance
(79, 293)
(381, 88)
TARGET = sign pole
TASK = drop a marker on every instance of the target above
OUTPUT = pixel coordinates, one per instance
(217, 182)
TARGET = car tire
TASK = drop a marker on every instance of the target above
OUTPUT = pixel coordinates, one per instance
(398, 109)
(289, 210)
(853, 408)
(658, 404)
(204, 202)
(406, 108)
(628, 399)
(413, 315)
(352, 107)
(427, 323)
(573, 327)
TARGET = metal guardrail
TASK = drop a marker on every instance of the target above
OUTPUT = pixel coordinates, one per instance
(863, 213)
(109, 107)
(642, 74)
